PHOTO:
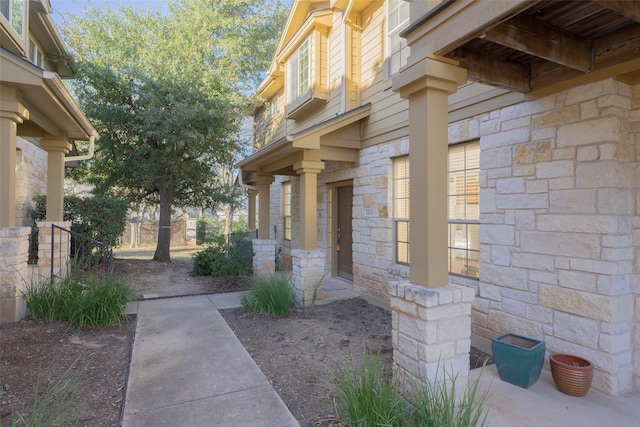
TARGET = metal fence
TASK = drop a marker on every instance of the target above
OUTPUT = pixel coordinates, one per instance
(85, 254)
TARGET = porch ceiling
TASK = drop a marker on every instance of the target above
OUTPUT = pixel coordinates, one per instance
(539, 44)
(336, 139)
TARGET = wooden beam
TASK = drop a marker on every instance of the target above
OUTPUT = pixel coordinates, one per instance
(611, 50)
(535, 37)
(627, 8)
(493, 70)
(338, 155)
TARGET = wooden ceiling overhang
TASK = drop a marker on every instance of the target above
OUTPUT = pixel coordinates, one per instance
(533, 47)
(336, 139)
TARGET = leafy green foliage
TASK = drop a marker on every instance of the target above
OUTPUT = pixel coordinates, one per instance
(167, 94)
(222, 259)
(101, 218)
(368, 396)
(57, 406)
(97, 301)
(273, 294)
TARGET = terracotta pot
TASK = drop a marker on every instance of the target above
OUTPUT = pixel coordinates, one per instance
(572, 374)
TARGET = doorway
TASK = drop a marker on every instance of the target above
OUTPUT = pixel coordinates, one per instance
(344, 232)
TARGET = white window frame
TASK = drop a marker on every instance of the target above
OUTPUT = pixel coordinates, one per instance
(299, 71)
(8, 10)
(397, 49)
(286, 210)
(35, 54)
(460, 244)
(401, 205)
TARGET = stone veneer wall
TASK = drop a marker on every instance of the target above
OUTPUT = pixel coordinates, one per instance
(14, 253)
(373, 257)
(374, 264)
(560, 226)
(31, 179)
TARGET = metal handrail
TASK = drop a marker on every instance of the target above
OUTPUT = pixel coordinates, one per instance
(87, 253)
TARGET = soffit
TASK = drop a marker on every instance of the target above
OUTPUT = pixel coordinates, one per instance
(52, 109)
(336, 139)
(536, 45)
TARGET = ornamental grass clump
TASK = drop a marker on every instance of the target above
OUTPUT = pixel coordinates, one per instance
(58, 405)
(82, 301)
(273, 294)
(368, 395)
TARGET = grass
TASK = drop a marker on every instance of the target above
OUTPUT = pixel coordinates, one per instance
(97, 301)
(57, 406)
(273, 294)
(368, 395)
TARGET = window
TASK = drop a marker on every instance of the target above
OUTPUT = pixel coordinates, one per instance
(273, 107)
(299, 71)
(286, 209)
(35, 54)
(397, 20)
(401, 208)
(13, 11)
(463, 207)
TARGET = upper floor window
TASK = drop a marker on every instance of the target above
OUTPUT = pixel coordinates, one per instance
(401, 201)
(35, 54)
(286, 209)
(273, 107)
(14, 12)
(299, 72)
(463, 207)
(397, 20)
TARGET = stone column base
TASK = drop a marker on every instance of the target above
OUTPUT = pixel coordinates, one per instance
(431, 333)
(264, 256)
(308, 274)
(14, 270)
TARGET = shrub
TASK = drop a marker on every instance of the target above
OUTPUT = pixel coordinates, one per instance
(273, 294)
(97, 301)
(101, 218)
(368, 396)
(222, 259)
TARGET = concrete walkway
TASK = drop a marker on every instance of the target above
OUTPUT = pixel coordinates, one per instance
(189, 369)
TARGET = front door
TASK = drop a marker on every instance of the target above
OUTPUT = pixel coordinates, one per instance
(344, 232)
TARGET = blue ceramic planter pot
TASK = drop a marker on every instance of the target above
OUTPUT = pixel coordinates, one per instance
(518, 359)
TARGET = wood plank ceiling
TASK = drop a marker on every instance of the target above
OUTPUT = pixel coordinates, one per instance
(553, 41)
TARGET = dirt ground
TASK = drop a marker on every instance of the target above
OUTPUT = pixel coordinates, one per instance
(300, 354)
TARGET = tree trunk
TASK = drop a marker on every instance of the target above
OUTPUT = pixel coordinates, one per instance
(164, 230)
(228, 222)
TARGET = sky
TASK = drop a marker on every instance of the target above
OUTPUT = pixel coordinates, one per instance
(75, 7)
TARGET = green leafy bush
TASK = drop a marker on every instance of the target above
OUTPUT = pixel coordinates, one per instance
(222, 259)
(273, 294)
(97, 301)
(101, 218)
(368, 396)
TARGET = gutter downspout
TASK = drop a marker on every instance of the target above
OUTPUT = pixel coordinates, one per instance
(343, 99)
(92, 140)
(243, 185)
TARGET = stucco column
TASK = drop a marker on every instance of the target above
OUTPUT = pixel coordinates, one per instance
(427, 84)
(252, 209)
(308, 171)
(56, 149)
(264, 192)
(12, 113)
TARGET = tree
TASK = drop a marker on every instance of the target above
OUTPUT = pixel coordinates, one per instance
(167, 95)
